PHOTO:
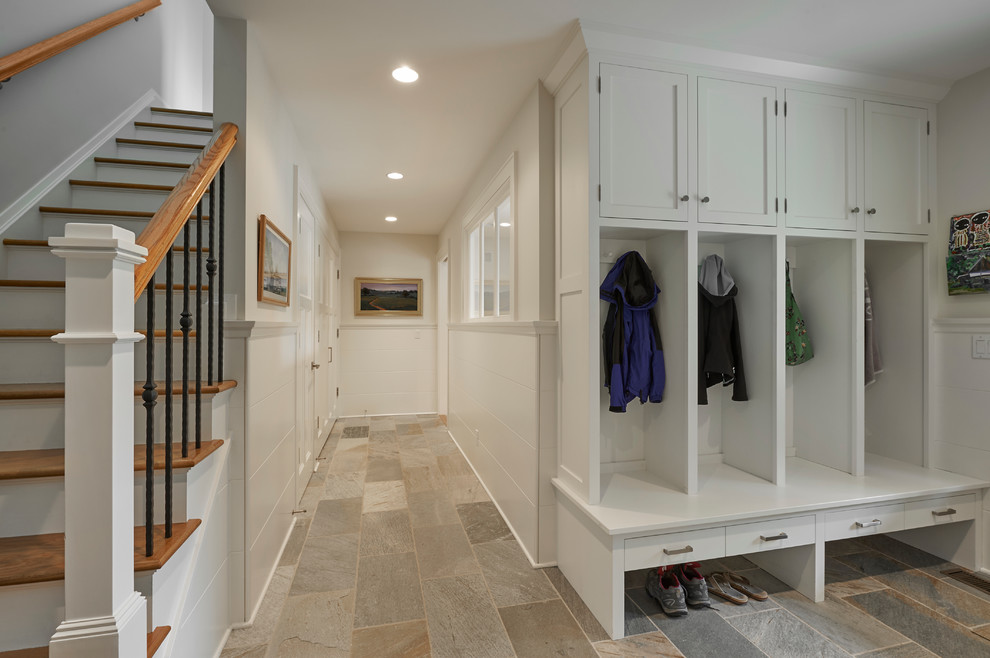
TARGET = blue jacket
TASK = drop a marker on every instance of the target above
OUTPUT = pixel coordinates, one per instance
(632, 348)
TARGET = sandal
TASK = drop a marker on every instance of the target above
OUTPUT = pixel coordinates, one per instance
(718, 584)
(742, 584)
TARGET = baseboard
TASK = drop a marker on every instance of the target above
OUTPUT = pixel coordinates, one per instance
(36, 193)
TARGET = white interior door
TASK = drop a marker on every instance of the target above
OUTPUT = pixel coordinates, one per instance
(443, 283)
(305, 270)
(323, 395)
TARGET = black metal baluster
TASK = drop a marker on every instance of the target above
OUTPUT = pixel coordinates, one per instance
(149, 396)
(211, 271)
(199, 323)
(220, 292)
(185, 322)
(168, 391)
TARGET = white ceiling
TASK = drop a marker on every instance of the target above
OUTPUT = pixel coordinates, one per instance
(478, 59)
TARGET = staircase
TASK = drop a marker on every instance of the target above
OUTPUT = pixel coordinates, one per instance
(124, 184)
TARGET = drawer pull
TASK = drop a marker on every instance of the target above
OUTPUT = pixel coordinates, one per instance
(868, 524)
(945, 512)
(782, 535)
(679, 551)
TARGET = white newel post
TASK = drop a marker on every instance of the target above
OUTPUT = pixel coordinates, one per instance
(104, 616)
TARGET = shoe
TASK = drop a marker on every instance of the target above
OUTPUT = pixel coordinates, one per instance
(742, 584)
(718, 584)
(693, 583)
(662, 584)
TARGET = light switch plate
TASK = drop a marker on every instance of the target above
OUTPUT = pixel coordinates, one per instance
(981, 346)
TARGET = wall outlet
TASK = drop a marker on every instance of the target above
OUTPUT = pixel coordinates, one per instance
(981, 346)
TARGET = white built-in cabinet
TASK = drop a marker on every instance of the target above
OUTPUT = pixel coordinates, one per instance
(769, 174)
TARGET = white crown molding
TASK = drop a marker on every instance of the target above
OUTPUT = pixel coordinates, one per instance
(572, 53)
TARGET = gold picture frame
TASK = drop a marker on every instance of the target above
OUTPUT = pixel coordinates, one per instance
(385, 297)
(274, 264)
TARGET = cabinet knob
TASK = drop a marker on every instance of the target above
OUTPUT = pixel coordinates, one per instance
(855, 210)
(705, 199)
(685, 198)
(871, 211)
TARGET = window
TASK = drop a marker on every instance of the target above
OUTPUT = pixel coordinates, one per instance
(489, 247)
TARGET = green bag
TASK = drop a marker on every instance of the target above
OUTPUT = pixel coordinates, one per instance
(796, 339)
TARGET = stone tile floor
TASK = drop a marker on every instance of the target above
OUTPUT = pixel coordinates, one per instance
(402, 553)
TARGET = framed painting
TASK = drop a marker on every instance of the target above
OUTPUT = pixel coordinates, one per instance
(274, 264)
(388, 297)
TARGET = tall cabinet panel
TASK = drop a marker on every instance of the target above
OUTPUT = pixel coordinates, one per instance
(896, 168)
(643, 143)
(737, 153)
(820, 161)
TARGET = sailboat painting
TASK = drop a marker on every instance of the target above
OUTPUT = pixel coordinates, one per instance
(274, 263)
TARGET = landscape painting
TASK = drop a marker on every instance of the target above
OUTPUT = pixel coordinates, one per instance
(274, 259)
(388, 297)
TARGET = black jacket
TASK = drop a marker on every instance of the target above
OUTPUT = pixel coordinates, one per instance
(719, 346)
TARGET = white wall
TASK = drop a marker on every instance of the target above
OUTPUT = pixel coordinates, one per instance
(388, 364)
(167, 51)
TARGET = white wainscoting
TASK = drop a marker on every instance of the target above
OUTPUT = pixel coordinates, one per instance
(960, 397)
(388, 369)
(502, 414)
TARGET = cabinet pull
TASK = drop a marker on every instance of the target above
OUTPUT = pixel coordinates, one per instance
(705, 199)
(946, 512)
(782, 535)
(871, 211)
(855, 210)
(679, 551)
(685, 198)
(868, 524)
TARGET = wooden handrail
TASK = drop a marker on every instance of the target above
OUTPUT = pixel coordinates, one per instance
(160, 233)
(23, 59)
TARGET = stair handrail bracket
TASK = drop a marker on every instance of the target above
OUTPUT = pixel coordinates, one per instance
(20, 61)
(173, 214)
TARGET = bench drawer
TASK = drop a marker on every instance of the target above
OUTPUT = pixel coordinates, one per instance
(864, 521)
(674, 548)
(936, 511)
(768, 535)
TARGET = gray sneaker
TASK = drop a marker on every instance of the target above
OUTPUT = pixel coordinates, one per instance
(662, 584)
(693, 583)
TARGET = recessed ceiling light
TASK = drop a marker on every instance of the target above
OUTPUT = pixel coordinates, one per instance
(391, 219)
(395, 175)
(405, 74)
(505, 224)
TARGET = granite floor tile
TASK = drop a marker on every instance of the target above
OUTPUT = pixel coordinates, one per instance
(842, 580)
(384, 423)
(265, 621)
(705, 633)
(408, 428)
(510, 577)
(423, 478)
(314, 625)
(251, 652)
(293, 547)
(636, 620)
(483, 522)
(909, 555)
(383, 469)
(462, 620)
(454, 465)
(780, 634)
(585, 619)
(356, 432)
(983, 596)
(983, 631)
(909, 650)
(383, 533)
(844, 547)
(406, 640)
(331, 444)
(384, 496)
(383, 436)
(444, 551)
(388, 590)
(545, 629)
(413, 458)
(431, 508)
(647, 645)
(413, 442)
(336, 517)
(931, 630)
(443, 447)
(840, 622)
(733, 563)
(350, 455)
(344, 485)
(308, 503)
(937, 594)
(327, 564)
(383, 449)
(466, 489)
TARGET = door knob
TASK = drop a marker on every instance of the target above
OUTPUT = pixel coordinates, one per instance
(314, 365)
(705, 199)
(685, 198)
(855, 210)
(871, 211)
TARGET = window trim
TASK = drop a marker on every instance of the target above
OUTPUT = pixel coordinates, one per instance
(502, 186)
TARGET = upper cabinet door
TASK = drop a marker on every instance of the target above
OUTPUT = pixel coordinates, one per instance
(737, 153)
(643, 143)
(896, 184)
(820, 161)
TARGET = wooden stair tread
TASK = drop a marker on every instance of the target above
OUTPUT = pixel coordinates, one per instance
(155, 640)
(172, 126)
(169, 110)
(104, 212)
(131, 162)
(41, 558)
(113, 185)
(30, 283)
(39, 652)
(153, 142)
(28, 464)
(57, 390)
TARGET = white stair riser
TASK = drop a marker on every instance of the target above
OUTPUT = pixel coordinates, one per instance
(36, 506)
(169, 135)
(31, 613)
(41, 264)
(140, 152)
(134, 200)
(208, 419)
(178, 119)
(130, 174)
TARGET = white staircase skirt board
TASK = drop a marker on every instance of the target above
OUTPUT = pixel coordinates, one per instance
(31, 613)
